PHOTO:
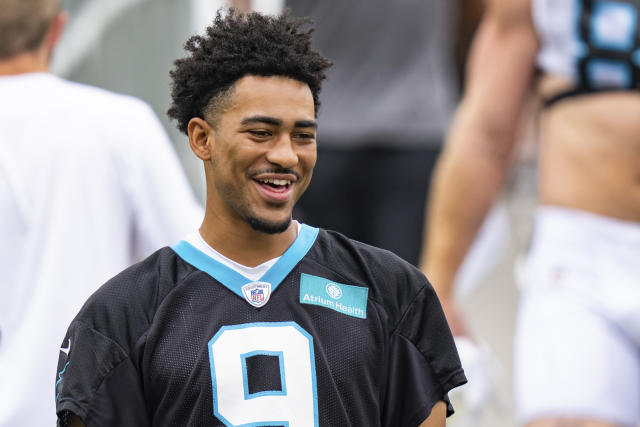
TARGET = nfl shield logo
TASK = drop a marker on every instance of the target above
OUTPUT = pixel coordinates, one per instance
(257, 293)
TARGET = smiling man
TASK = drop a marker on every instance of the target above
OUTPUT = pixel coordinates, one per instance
(256, 319)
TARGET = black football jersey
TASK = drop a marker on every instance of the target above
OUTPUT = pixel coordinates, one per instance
(335, 333)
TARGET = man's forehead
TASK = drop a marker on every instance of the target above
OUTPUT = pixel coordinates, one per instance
(282, 98)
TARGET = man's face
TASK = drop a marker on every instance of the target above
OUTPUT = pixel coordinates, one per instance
(263, 151)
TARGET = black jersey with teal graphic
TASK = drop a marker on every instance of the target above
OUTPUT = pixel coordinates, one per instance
(598, 40)
(336, 333)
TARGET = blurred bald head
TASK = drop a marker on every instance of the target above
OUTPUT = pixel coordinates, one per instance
(24, 24)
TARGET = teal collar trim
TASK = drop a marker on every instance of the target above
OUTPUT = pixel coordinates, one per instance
(233, 280)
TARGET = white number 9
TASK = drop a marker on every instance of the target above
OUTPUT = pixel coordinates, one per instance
(295, 405)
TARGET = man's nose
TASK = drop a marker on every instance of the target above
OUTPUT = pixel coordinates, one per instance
(283, 152)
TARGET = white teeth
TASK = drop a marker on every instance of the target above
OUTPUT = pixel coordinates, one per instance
(276, 181)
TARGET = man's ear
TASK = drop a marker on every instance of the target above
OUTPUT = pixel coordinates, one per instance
(199, 133)
(56, 29)
(53, 36)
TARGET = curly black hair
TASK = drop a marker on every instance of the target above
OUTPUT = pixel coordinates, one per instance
(237, 45)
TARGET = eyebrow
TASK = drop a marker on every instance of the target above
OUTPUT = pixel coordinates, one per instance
(277, 122)
(306, 124)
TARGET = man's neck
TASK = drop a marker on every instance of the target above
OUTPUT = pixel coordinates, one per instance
(30, 62)
(244, 245)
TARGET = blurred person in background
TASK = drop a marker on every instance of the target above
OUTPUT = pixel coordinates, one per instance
(89, 184)
(389, 99)
(577, 358)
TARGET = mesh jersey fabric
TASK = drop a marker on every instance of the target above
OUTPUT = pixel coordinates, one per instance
(152, 327)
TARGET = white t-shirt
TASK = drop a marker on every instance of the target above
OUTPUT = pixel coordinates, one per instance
(253, 273)
(89, 184)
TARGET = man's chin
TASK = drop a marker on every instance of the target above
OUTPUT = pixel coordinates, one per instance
(269, 227)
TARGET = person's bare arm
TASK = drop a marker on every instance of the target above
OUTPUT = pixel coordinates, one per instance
(75, 421)
(475, 158)
(468, 19)
(437, 417)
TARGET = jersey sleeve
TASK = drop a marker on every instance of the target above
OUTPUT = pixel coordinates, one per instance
(98, 381)
(423, 363)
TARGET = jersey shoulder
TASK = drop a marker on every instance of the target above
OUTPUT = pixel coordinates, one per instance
(124, 307)
(403, 297)
(393, 283)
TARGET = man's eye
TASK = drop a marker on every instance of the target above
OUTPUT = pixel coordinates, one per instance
(305, 135)
(260, 133)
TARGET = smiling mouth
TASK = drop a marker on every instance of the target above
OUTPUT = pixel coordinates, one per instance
(275, 190)
(276, 184)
